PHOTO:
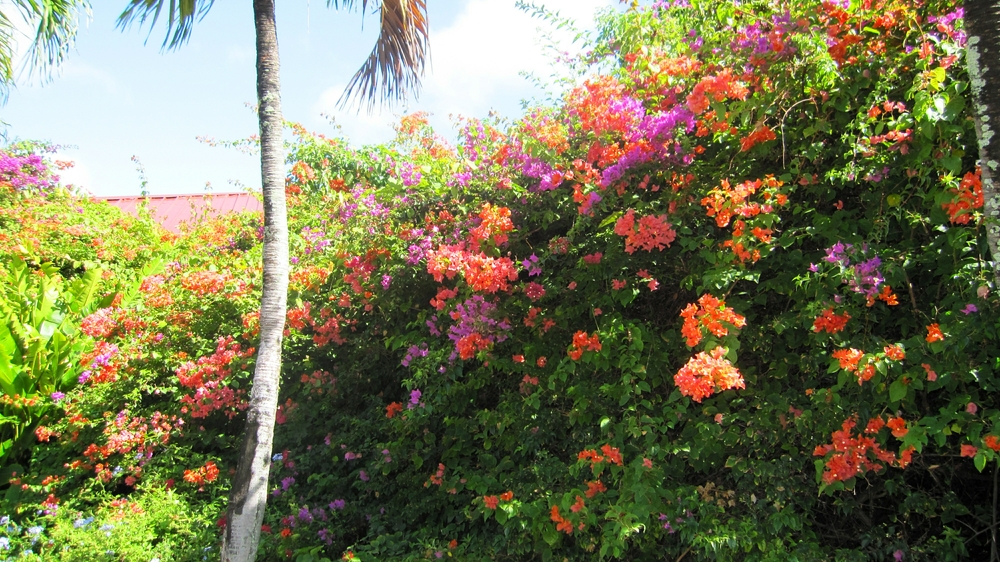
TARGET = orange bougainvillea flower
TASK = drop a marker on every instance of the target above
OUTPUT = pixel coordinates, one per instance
(709, 313)
(705, 374)
(895, 352)
(848, 358)
(562, 524)
(491, 502)
(829, 322)
(582, 342)
(969, 450)
(853, 455)
(612, 454)
(393, 409)
(650, 233)
(992, 442)
(594, 488)
(934, 333)
(898, 427)
(968, 197)
(507, 496)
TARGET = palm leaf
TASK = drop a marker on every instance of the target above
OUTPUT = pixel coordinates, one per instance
(181, 15)
(55, 31)
(396, 64)
(55, 24)
(6, 54)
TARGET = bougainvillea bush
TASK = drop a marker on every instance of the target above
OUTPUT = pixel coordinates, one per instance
(728, 299)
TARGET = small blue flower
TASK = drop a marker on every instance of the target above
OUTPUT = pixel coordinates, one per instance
(277, 457)
(4, 543)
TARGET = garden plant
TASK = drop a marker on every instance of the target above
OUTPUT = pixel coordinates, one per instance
(727, 297)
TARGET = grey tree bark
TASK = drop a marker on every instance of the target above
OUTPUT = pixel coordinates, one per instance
(982, 23)
(248, 495)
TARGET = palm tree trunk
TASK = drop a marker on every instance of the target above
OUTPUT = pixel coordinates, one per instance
(248, 495)
(982, 23)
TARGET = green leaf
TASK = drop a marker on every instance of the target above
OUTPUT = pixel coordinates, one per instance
(897, 391)
(980, 461)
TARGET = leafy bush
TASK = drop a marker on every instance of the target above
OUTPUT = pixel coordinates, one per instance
(728, 299)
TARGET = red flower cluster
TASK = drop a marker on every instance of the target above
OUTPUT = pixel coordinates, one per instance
(829, 322)
(709, 313)
(611, 455)
(482, 273)
(849, 360)
(594, 488)
(471, 344)
(495, 225)
(759, 135)
(857, 454)
(934, 333)
(563, 524)
(720, 86)
(438, 477)
(207, 378)
(204, 283)
(100, 324)
(202, 475)
(705, 374)
(392, 409)
(725, 202)
(968, 196)
(491, 502)
(581, 342)
(650, 233)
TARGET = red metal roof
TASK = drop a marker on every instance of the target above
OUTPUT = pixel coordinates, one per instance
(172, 210)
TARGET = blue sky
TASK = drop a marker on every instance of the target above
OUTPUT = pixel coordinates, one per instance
(119, 95)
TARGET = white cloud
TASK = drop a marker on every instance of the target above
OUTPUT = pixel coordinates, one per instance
(361, 128)
(476, 64)
(106, 81)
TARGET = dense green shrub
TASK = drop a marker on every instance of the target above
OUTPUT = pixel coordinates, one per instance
(727, 300)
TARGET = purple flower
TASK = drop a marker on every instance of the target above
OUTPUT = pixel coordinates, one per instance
(349, 456)
(415, 395)
(386, 280)
(57, 396)
(325, 536)
(531, 264)
(413, 352)
(969, 309)
(337, 505)
(898, 556)
(363, 476)
(304, 515)
(287, 482)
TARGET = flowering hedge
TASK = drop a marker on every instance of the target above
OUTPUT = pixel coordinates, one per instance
(728, 299)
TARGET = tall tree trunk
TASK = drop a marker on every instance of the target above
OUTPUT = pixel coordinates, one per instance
(248, 495)
(982, 23)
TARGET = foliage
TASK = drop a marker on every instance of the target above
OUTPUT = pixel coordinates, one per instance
(728, 300)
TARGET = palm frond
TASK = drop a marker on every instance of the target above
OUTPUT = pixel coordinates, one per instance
(181, 16)
(6, 55)
(396, 64)
(56, 29)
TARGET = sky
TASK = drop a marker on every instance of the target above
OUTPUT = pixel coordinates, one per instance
(119, 95)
